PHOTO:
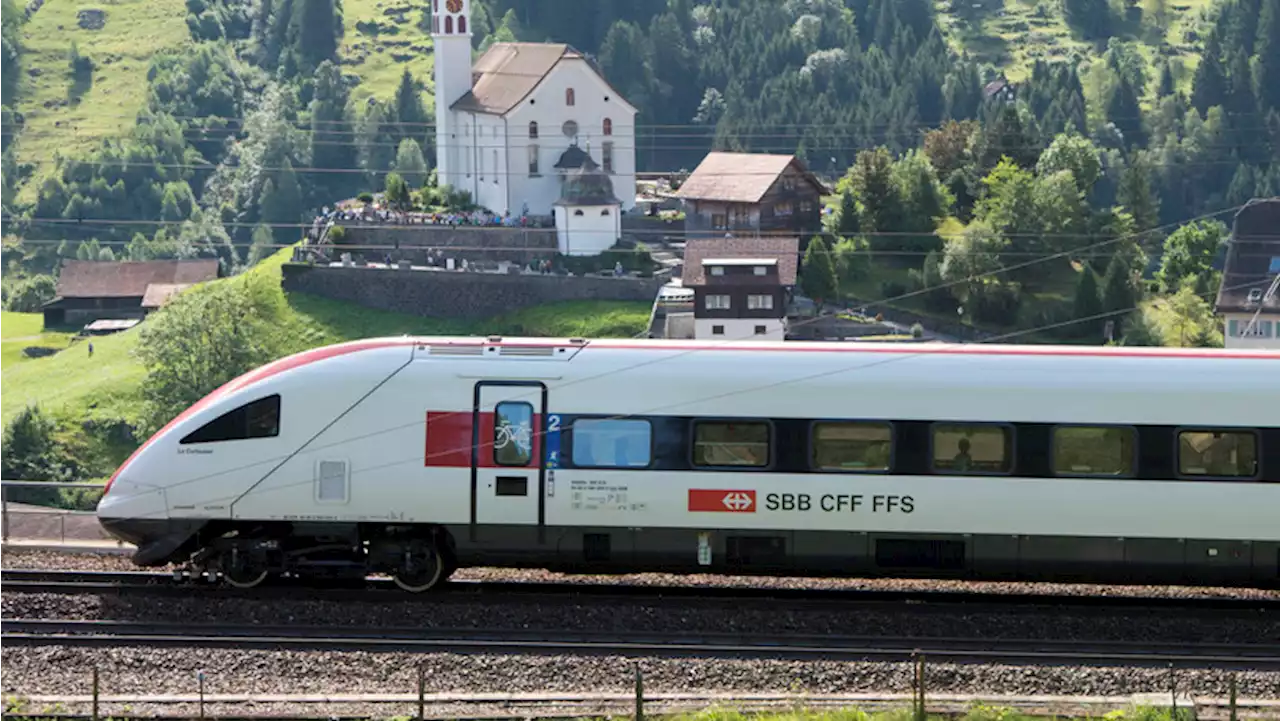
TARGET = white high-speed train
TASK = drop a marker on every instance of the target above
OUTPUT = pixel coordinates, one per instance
(414, 456)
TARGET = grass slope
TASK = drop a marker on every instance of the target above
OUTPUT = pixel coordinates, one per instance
(108, 385)
(23, 330)
(135, 30)
(383, 38)
(1012, 34)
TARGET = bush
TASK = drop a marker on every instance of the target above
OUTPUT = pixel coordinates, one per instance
(892, 289)
(32, 453)
(337, 235)
(365, 198)
(917, 330)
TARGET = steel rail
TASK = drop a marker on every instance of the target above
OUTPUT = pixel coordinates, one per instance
(469, 591)
(719, 645)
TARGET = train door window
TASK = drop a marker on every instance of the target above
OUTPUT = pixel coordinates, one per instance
(731, 443)
(972, 448)
(1094, 451)
(513, 434)
(612, 443)
(852, 447)
(259, 419)
(1218, 454)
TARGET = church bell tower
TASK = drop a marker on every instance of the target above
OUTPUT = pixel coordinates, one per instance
(451, 34)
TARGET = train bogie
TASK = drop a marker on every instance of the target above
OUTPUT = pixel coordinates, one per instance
(415, 456)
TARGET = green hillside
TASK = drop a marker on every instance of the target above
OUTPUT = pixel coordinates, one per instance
(108, 384)
(383, 39)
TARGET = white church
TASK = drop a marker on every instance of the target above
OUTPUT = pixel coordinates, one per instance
(533, 128)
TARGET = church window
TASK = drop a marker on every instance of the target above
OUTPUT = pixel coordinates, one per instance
(568, 96)
(608, 126)
(578, 212)
(533, 130)
(570, 129)
(604, 212)
(462, 24)
(533, 161)
(606, 158)
(435, 6)
(448, 24)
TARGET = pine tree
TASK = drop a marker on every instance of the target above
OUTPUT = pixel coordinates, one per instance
(1088, 305)
(1166, 86)
(848, 224)
(1118, 294)
(281, 204)
(315, 30)
(1209, 84)
(1125, 112)
(1266, 62)
(411, 118)
(333, 144)
(818, 274)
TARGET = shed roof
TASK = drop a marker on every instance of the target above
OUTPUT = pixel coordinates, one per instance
(786, 251)
(740, 177)
(103, 279)
(1253, 258)
(159, 293)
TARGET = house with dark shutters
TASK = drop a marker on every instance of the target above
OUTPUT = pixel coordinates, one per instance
(741, 286)
(752, 192)
(1249, 297)
(90, 290)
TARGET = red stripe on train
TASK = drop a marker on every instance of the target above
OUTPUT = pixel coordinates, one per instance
(448, 440)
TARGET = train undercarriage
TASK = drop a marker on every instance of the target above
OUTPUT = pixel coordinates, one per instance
(417, 558)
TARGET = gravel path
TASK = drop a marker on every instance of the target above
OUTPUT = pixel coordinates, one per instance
(25, 558)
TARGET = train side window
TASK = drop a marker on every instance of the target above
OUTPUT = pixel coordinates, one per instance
(1094, 451)
(258, 419)
(1218, 454)
(852, 446)
(513, 434)
(609, 443)
(731, 443)
(972, 448)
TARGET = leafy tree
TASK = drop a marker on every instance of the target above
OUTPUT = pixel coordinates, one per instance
(1188, 257)
(921, 199)
(871, 181)
(853, 263)
(1137, 196)
(32, 293)
(333, 144)
(410, 164)
(1184, 319)
(948, 146)
(818, 275)
(971, 260)
(1069, 151)
(281, 204)
(202, 339)
(31, 451)
(397, 191)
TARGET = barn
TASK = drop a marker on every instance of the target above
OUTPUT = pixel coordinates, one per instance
(90, 290)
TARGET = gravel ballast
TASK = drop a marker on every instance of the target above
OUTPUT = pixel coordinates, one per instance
(66, 670)
(22, 558)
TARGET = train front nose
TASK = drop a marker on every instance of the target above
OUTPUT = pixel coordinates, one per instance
(133, 510)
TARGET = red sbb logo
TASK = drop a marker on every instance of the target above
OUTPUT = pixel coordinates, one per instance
(722, 501)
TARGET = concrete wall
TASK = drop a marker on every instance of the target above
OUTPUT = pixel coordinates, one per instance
(444, 294)
(470, 242)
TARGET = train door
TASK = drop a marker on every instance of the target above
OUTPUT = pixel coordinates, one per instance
(506, 457)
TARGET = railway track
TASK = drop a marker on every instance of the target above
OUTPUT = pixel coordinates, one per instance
(716, 645)
(466, 591)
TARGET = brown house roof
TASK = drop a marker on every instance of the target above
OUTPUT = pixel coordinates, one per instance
(100, 279)
(696, 250)
(740, 177)
(1253, 258)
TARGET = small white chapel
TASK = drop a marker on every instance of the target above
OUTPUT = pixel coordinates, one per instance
(526, 125)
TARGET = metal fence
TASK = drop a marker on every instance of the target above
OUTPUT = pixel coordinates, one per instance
(29, 510)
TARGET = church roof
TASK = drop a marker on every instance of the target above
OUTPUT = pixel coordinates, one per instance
(575, 157)
(508, 72)
(586, 183)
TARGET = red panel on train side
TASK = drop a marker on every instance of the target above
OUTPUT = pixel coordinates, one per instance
(448, 443)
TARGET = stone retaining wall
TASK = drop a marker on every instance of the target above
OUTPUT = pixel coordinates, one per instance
(470, 242)
(445, 294)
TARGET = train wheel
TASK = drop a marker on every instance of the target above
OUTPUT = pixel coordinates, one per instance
(244, 577)
(421, 567)
(244, 570)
